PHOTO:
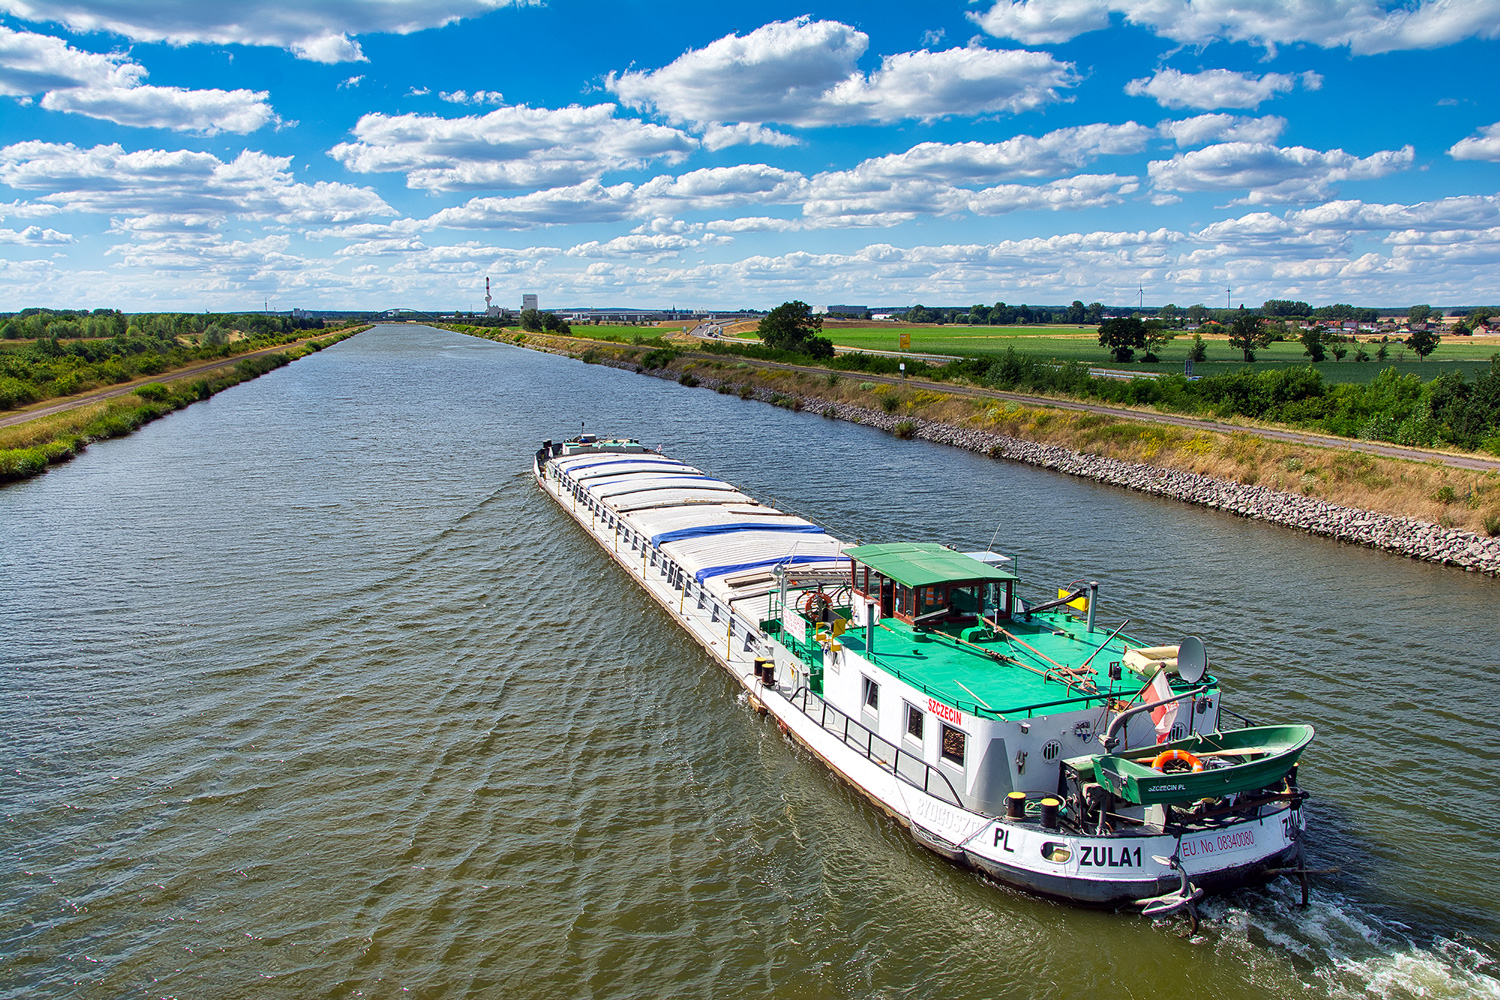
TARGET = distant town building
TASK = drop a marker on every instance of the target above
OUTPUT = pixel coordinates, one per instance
(847, 312)
(490, 309)
(528, 302)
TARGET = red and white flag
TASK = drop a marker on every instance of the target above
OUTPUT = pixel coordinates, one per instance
(1163, 715)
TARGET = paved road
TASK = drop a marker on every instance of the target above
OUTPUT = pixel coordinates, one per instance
(1454, 460)
(98, 395)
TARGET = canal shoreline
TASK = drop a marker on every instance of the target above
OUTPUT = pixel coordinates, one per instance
(1400, 535)
(59, 431)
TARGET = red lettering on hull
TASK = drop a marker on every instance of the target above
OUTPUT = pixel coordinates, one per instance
(945, 712)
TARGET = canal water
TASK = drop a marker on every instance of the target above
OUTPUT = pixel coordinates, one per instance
(308, 692)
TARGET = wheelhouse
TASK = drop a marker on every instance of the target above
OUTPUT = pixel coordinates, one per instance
(924, 584)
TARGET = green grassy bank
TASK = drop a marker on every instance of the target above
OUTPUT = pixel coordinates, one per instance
(30, 448)
(1428, 491)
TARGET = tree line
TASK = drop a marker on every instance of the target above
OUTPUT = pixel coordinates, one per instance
(1176, 317)
(1448, 410)
(79, 324)
(52, 366)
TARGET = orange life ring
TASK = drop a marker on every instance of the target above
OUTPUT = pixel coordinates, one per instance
(814, 603)
(1181, 756)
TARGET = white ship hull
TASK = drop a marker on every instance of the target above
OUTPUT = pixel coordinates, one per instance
(1114, 869)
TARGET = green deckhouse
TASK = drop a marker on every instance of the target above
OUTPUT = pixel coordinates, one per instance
(921, 582)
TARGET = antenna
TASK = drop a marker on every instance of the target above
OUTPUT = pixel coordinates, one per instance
(991, 547)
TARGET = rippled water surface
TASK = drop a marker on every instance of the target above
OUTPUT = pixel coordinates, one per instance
(308, 692)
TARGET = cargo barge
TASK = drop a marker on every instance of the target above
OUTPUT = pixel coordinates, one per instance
(1021, 739)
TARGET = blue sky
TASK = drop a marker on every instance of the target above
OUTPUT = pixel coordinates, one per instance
(346, 154)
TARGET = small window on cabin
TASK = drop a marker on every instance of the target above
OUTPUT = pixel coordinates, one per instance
(965, 600)
(914, 720)
(870, 694)
(930, 599)
(953, 745)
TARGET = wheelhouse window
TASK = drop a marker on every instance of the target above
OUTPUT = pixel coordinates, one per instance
(965, 601)
(914, 722)
(870, 694)
(954, 741)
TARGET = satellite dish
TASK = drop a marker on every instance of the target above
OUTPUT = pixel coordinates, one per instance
(1192, 659)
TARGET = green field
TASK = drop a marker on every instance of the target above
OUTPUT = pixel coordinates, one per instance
(1075, 344)
(604, 331)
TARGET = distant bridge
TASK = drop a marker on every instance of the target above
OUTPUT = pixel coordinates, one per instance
(403, 312)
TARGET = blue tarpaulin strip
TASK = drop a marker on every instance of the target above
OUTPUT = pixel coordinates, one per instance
(706, 530)
(625, 461)
(664, 479)
(704, 574)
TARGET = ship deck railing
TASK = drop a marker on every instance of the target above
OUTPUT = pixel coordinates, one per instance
(876, 748)
(810, 652)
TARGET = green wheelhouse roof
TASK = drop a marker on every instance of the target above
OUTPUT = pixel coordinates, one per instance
(922, 564)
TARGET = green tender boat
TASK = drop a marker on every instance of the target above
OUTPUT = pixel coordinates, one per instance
(1242, 760)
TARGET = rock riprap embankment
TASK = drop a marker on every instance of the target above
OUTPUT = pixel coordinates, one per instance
(1406, 536)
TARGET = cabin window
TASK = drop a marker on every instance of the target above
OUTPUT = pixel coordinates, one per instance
(953, 745)
(870, 694)
(914, 720)
(930, 599)
(965, 600)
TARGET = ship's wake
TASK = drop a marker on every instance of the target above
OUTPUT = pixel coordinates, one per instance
(1342, 948)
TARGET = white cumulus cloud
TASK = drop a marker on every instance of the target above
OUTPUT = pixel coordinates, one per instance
(207, 112)
(109, 87)
(716, 137)
(805, 72)
(1459, 213)
(589, 202)
(318, 30)
(1364, 26)
(35, 236)
(1020, 156)
(715, 187)
(107, 180)
(648, 247)
(32, 63)
(1217, 88)
(1272, 173)
(477, 97)
(509, 148)
(1204, 129)
(1483, 146)
(968, 81)
(1044, 23)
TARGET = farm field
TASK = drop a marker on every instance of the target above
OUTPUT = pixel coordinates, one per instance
(1075, 344)
(629, 332)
